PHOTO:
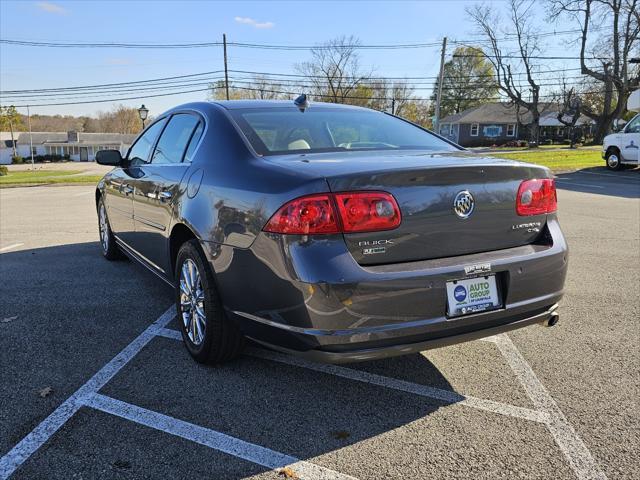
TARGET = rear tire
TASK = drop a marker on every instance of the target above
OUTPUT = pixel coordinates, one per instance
(210, 337)
(110, 250)
(614, 162)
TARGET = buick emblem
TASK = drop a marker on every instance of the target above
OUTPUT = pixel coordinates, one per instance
(464, 204)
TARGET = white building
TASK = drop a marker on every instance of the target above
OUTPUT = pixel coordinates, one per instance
(78, 146)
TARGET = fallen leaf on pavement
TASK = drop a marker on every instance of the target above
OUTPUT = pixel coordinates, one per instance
(286, 472)
(124, 464)
(340, 434)
(8, 319)
(45, 392)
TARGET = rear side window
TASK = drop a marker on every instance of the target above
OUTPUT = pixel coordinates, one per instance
(193, 143)
(173, 142)
(141, 150)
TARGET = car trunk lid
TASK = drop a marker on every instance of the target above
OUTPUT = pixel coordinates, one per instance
(427, 186)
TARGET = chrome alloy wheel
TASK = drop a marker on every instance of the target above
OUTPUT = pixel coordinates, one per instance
(192, 302)
(104, 228)
(613, 161)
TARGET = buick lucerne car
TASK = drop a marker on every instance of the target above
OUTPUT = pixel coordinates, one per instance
(333, 232)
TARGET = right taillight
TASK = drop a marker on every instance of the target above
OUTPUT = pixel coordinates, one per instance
(536, 197)
(344, 212)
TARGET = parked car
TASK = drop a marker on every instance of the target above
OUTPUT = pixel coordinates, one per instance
(333, 232)
(623, 148)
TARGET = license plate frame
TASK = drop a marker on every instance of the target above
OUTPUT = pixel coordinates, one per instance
(466, 296)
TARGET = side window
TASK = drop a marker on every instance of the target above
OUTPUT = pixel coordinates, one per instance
(173, 142)
(193, 143)
(141, 150)
(634, 125)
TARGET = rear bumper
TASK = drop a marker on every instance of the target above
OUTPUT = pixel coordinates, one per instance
(308, 295)
(365, 354)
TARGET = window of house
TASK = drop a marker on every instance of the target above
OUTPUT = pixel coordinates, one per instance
(511, 130)
(475, 129)
(492, 131)
(445, 129)
(175, 137)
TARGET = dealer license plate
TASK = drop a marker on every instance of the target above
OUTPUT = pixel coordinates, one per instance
(472, 295)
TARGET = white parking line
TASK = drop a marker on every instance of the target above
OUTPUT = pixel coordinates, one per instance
(572, 446)
(601, 174)
(9, 247)
(50, 425)
(82, 194)
(571, 182)
(212, 439)
(427, 391)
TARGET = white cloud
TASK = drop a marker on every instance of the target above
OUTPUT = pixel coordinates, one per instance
(254, 23)
(51, 8)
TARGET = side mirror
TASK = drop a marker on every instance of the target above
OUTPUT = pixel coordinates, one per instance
(109, 157)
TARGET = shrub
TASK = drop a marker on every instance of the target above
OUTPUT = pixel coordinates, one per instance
(516, 143)
(17, 160)
(3, 170)
(50, 158)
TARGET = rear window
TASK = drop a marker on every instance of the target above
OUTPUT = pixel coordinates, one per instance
(275, 131)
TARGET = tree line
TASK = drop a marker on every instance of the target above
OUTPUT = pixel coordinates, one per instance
(506, 63)
(120, 119)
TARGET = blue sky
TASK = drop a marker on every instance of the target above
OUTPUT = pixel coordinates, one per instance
(288, 22)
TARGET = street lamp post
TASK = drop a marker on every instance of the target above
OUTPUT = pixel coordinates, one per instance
(143, 112)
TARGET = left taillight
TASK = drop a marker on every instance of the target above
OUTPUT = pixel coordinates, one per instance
(344, 212)
(537, 197)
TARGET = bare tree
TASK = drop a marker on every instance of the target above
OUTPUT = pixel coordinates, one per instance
(334, 69)
(569, 109)
(259, 87)
(525, 95)
(605, 57)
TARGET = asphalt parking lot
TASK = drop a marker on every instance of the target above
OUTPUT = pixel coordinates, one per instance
(93, 383)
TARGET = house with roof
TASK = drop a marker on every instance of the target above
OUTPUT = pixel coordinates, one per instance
(77, 146)
(499, 123)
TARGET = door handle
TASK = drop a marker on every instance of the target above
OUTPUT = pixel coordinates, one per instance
(127, 189)
(164, 195)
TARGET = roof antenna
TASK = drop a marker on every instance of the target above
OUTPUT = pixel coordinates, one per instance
(302, 102)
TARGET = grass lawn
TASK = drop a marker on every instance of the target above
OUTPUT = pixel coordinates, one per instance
(44, 177)
(558, 159)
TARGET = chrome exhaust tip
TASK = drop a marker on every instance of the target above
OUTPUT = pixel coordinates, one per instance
(553, 319)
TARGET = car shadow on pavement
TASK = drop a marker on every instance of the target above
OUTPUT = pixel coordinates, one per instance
(75, 294)
(600, 181)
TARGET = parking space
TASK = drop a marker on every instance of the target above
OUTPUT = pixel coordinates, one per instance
(96, 384)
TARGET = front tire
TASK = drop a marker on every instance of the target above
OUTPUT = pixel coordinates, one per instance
(110, 250)
(210, 337)
(614, 162)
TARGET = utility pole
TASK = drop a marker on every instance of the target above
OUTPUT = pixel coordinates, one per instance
(436, 123)
(226, 72)
(30, 136)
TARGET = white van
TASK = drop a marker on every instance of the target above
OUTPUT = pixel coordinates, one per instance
(623, 148)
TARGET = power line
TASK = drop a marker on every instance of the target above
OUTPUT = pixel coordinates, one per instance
(113, 84)
(280, 92)
(84, 94)
(162, 81)
(293, 75)
(160, 45)
(111, 99)
(209, 82)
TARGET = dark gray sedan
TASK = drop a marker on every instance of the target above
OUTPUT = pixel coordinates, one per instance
(333, 232)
